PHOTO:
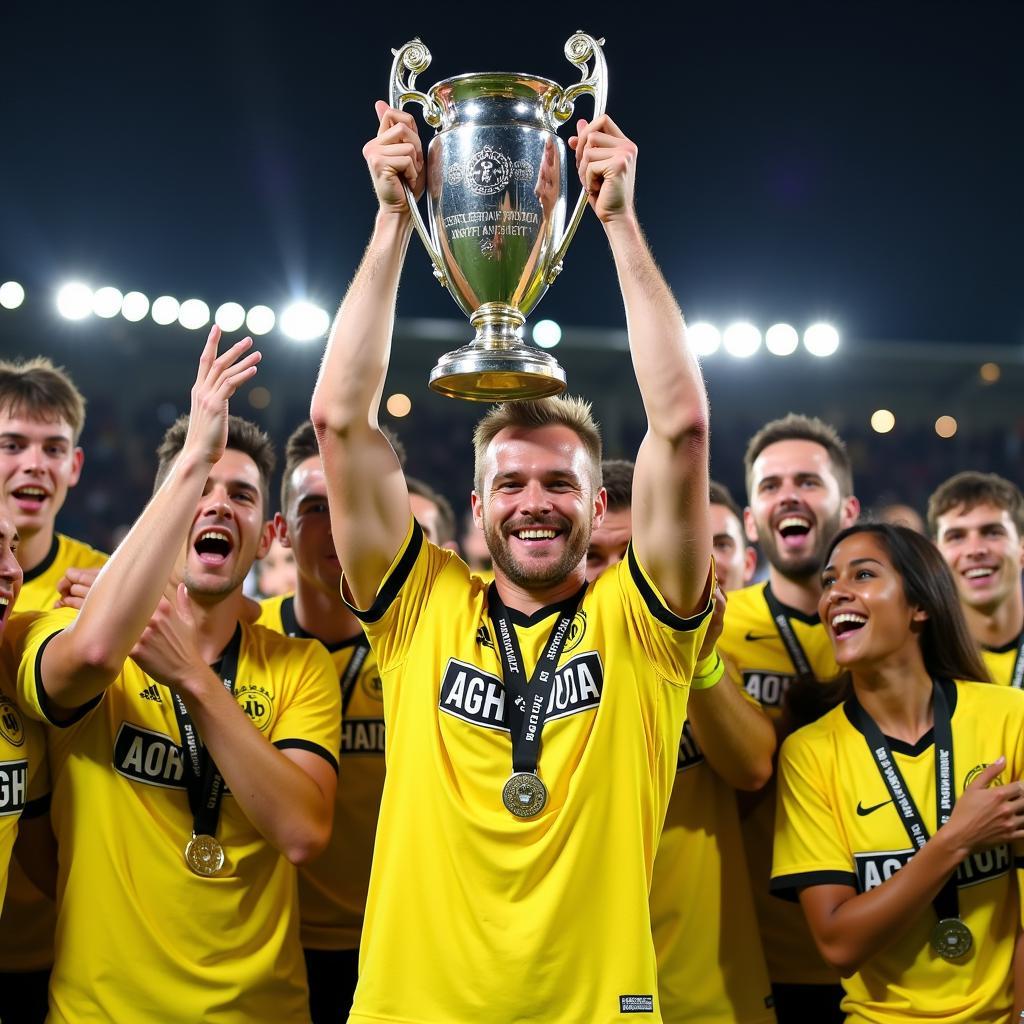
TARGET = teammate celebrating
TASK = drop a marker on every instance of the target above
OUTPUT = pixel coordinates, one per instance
(332, 889)
(977, 521)
(735, 559)
(148, 752)
(800, 493)
(42, 414)
(527, 717)
(710, 964)
(896, 809)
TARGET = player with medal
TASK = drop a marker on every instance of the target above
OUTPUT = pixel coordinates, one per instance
(533, 724)
(900, 823)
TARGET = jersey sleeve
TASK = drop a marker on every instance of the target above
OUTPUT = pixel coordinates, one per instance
(808, 838)
(311, 717)
(29, 646)
(670, 642)
(389, 623)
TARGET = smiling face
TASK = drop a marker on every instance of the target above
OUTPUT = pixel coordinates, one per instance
(985, 552)
(538, 505)
(10, 571)
(38, 463)
(864, 606)
(608, 542)
(228, 532)
(306, 527)
(795, 506)
(734, 561)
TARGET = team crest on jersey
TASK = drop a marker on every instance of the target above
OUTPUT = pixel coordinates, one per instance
(11, 726)
(690, 754)
(372, 686)
(258, 703)
(768, 688)
(478, 697)
(362, 736)
(976, 771)
(13, 786)
(150, 757)
(576, 630)
(875, 868)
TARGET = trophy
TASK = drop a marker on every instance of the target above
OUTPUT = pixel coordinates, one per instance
(496, 199)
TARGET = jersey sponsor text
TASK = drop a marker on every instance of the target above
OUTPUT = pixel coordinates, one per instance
(149, 757)
(13, 786)
(768, 688)
(362, 736)
(875, 868)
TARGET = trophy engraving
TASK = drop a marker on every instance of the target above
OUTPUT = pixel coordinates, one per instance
(496, 209)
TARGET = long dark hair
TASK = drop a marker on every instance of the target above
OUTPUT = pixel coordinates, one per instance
(947, 647)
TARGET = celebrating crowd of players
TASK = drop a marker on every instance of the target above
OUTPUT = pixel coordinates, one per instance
(610, 790)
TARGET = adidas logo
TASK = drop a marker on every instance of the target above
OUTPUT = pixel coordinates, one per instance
(151, 693)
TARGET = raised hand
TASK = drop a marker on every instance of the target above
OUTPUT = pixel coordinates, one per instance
(715, 624)
(987, 815)
(168, 649)
(606, 161)
(219, 377)
(393, 156)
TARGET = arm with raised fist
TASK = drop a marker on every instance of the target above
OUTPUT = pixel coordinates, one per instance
(368, 498)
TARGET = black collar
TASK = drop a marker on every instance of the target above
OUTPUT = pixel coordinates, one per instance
(901, 746)
(45, 564)
(814, 619)
(524, 620)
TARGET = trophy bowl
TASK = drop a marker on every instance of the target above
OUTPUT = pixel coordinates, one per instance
(496, 209)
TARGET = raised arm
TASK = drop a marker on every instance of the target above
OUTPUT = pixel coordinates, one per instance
(84, 659)
(366, 489)
(671, 532)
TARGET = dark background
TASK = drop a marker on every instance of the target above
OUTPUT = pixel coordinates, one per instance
(858, 163)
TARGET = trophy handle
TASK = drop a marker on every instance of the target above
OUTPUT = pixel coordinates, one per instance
(413, 58)
(579, 49)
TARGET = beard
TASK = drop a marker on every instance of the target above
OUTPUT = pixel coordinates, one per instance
(799, 567)
(535, 577)
(204, 591)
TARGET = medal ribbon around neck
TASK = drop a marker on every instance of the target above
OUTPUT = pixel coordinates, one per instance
(526, 704)
(795, 650)
(951, 938)
(203, 780)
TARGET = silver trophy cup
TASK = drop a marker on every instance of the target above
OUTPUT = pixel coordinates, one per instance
(496, 198)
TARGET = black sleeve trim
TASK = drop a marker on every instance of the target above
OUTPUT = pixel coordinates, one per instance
(1018, 863)
(313, 748)
(394, 583)
(654, 603)
(786, 887)
(37, 808)
(46, 705)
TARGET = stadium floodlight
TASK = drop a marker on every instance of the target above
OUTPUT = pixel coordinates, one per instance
(106, 302)
(398, 405)
(741, 339)
(134, 307)
(882, 421)
(165, 310)
(12, 295)
(260, 320)
(302, 321)
(547, 333)
(229, 316)
(74, 301)
(821, 340)
(704, 337)
(945, 426)
(781, 340)
(193, 314)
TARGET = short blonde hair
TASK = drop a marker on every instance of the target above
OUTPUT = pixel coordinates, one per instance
(38, 389)
(574, 413)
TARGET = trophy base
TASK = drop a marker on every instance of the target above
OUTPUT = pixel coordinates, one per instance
(512, 374)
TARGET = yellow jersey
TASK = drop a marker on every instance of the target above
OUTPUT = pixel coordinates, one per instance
(837, 825)
(756, 658)
(1005, 664)
(139, 936)
(24, 774)
(332, 889)
(711, 968)
(30, 918)
(476, 915)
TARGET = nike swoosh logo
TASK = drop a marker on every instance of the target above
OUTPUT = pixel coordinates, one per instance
(760, 636)
(862, 810)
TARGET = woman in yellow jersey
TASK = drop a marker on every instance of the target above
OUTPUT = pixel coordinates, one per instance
(900, 811)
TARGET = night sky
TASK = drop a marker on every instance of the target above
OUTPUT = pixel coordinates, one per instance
(855, 162)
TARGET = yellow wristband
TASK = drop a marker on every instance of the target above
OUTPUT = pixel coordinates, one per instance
(708, 672)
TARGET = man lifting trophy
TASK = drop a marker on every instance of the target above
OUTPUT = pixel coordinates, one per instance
(496, 199)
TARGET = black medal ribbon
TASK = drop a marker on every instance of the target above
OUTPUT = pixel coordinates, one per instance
(203, 780)
(526, 706)
(947, 901)
(348, 678)
(1017, 675)
(797, 655)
